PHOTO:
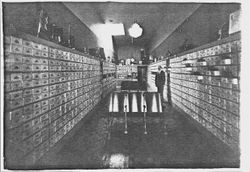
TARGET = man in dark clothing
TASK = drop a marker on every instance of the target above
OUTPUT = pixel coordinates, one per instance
(160, 81)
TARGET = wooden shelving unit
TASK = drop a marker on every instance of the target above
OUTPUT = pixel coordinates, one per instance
(205, 84)
(48, 89)
(125, 70)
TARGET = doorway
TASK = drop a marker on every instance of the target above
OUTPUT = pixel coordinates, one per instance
(142, 77)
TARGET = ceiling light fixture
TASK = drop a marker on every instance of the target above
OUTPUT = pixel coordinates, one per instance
(135, 30)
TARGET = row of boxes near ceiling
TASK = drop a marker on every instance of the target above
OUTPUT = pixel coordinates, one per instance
(234, 46)
(217, 70)
(44, 103)
(211, 60)
(20, 46)
(226, 64)
(213, 101)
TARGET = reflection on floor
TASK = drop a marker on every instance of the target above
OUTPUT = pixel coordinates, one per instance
(171, 142)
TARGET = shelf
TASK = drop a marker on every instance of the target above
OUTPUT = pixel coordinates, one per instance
(193, 93)
(78, 78)
(205, 83)
(207, 66)
(206, 120)
(237, 130)
(37, 40)
(215, 55)
(209, 102)
(50, 109)
(206, 93)
(206, 75)
(230, 38)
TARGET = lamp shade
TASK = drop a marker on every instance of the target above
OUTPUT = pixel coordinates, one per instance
(135, 30)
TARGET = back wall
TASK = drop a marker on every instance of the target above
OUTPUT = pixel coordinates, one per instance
(126, 52)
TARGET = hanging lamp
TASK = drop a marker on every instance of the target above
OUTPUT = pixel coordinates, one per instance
(135, 31)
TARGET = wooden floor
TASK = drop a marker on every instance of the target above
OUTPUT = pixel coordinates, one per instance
(171, 142)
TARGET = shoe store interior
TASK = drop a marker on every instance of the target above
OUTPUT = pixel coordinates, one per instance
(128, 85)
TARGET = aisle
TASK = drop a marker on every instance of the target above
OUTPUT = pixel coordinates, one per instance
(181, 145)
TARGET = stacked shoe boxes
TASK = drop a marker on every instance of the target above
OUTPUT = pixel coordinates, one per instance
(47, 90)
(213, 101)
(108, 83)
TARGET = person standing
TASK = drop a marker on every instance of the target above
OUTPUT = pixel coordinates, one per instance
(160, 81)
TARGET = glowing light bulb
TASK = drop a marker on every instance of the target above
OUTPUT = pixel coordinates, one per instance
(135, 30)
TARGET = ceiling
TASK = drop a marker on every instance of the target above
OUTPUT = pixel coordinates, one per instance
(151, 17)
